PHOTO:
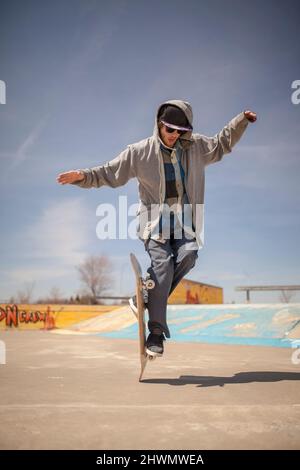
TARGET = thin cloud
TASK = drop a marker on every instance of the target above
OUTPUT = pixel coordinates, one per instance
(26, 146)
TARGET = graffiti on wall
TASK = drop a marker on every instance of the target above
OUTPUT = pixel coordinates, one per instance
(190, 298)
(192, 292)
(12, 316)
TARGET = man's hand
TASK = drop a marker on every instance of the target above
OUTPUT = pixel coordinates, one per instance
(70, 177)
(250, 116)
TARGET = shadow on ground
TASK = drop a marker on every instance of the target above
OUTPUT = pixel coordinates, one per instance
(240, 378)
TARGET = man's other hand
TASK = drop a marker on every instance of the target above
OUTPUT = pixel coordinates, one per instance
(69, 177)
(250, 115)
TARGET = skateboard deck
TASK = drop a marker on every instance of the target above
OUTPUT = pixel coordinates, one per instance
(142, 286)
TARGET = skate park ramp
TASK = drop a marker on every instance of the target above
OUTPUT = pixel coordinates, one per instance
(48, 316)
(252, 324)
(111, 321)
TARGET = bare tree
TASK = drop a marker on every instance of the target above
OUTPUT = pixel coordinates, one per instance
(55, 296)
(25, 296)
(94, 273)
(286, 296)
(84, 297)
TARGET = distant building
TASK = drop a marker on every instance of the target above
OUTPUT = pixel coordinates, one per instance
(192, 292)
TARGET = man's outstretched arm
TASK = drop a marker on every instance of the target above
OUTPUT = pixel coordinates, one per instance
(212, 149)
(113, 173)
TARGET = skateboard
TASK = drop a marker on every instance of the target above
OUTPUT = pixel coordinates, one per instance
(142, 287)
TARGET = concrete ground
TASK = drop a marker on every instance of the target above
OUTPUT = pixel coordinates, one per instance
(82, 392)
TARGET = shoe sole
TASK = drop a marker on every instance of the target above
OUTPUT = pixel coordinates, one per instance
(153, 354)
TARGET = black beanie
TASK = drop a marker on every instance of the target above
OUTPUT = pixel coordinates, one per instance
(174, 117)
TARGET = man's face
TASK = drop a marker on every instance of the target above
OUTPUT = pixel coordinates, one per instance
(168, 139)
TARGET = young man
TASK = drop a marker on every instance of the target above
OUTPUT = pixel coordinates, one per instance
(170, 169)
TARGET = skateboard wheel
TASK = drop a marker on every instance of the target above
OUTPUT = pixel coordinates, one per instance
(151, 358)
(150, 284)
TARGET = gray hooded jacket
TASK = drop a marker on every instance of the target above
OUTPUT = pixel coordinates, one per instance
(143, 160)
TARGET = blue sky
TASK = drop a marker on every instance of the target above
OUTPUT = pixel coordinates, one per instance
(85, 78)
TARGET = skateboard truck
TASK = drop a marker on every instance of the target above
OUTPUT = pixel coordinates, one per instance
(147, 284)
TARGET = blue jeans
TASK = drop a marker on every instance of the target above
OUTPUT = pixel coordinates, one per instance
(170, 262)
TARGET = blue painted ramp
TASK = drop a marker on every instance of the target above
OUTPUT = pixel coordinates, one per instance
(252, 324)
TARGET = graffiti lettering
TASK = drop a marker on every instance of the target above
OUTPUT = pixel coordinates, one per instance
(190, 298)
(12, 316)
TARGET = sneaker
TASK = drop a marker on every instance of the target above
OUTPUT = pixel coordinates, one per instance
(155, 345)
(133, 305)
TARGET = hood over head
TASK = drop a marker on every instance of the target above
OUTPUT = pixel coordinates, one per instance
(186, 138)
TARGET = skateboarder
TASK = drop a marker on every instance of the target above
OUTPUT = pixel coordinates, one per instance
(169, 167)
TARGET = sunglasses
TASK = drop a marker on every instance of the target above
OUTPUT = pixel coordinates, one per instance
(170, 130)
